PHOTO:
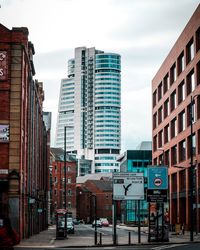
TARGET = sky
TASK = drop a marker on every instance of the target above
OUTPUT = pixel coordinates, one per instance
(141, 31)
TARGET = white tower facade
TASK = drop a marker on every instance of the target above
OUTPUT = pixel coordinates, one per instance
(90, 108)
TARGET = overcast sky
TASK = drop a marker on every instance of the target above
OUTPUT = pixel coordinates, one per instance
(141, 31)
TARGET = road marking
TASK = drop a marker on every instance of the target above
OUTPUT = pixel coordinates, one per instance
(167, 246)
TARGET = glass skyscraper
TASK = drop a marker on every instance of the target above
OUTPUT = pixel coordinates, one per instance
(90, 108)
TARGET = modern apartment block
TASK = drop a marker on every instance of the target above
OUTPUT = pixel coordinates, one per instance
(90, 108)
(176, 82)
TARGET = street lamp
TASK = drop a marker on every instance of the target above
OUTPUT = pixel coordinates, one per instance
(191, 167)
(95, 217)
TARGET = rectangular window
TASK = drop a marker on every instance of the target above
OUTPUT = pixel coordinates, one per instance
(166, 108)
(155, 120)
(173, 128)
(166, 83)
(198, 73)
(198, 40)
(194, 144)
(173, 74)
(173, 101)
(198, 107)
(182, 121)
(160, 139)
(181, 64)
(166, 133)
(69, 180)
(181, 92)
(160, 115)
(174, 155)
(154, 98)
(160, 91)
(182, 150)
(69, 192)
(167, 158)
(69, 204)
(155, 143)
(189, 51)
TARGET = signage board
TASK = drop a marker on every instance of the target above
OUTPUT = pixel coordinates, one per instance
(128, 186)
(4, 171)
(157, 177)
(39, 210)
(3, 65)
(156, 195)
(4, 133)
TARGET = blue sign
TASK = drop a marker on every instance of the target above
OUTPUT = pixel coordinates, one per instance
(157, 177)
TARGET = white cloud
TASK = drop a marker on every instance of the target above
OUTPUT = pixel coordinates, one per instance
(142, 31)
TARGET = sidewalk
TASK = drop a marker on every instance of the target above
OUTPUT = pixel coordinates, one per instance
(46, 239)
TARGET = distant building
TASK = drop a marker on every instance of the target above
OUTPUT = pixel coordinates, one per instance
(175, 83)
(57, 180)
(90, 108)
(135, 161)
(86, 193)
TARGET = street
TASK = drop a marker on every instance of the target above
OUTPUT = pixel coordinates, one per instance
(83, 238)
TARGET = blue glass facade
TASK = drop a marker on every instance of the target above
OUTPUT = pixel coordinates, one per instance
(136, 161)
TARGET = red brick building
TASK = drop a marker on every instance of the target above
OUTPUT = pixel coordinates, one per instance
(102, 189)
(177, 80)
(58, 181)
(23, 136)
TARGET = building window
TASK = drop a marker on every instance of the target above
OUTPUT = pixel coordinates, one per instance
(69, 192)
(181, 64)
(198, 40)
(198, 73)
(189, 51)
(155, 120)
(160, 115)
(173, 128)
(181, 92)
(155, 143)
(166, 133)
(173, 74)
(190, 82)
(194, 144)
(55, 191)
(166, 108)
(154, 98)
(182, 150)
(55, 179)
(166, 83)
(198, 107)
(68, 169)
(69, 180)
(182, 121)
(160, 91)
(174, 155)
(173, 101)
(160, 139)
(69, 204)
(167, 158)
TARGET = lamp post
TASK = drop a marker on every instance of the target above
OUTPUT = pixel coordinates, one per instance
(95, 217)
(191, 167)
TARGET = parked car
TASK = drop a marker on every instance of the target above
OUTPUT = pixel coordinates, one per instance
(70, 227)
(98, 223)
(104, 222)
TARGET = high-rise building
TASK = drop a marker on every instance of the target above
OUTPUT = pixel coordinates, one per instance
(90, 108)
(176, 91)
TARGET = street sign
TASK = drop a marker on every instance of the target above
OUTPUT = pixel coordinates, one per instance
(156, 195)
(128, 186)
(157, 177)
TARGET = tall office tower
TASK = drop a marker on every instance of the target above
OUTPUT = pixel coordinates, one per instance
(90, 108)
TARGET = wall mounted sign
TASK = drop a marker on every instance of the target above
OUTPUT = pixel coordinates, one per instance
(4, 133)
(3, 65)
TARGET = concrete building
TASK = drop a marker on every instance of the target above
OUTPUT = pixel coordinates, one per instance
(176, 82)
(23, 136)
(90, 108)
(136, 161)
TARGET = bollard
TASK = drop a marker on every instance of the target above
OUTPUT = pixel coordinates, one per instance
(129, 238)
(100, 239)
